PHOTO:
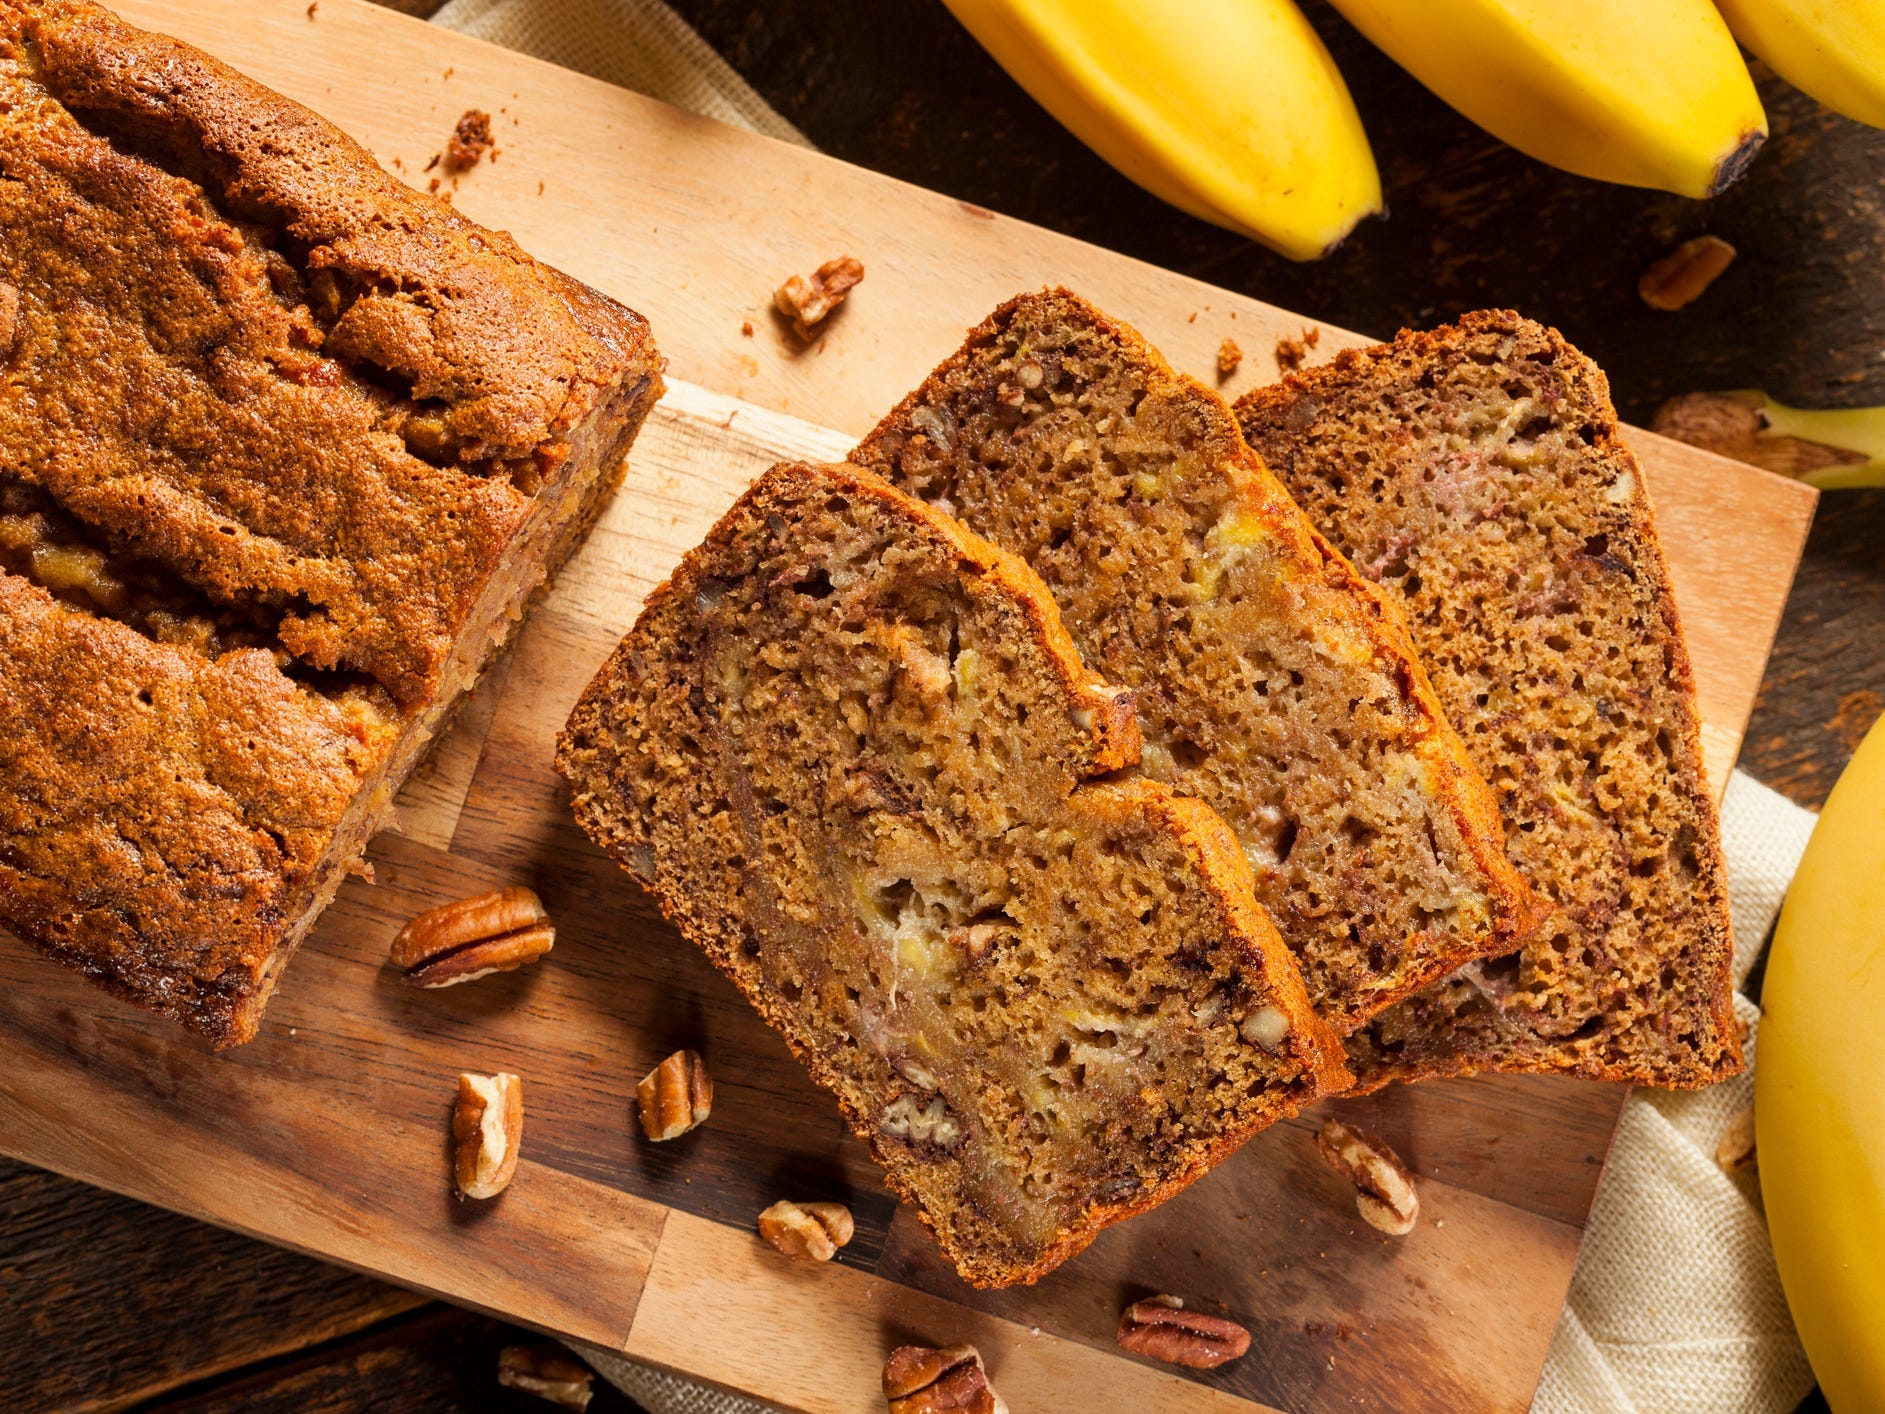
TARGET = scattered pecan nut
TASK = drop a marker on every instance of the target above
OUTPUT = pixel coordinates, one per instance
(1384, 1190)
(1680, 277)
(814, 1230)
(474, 937)
(470, 140)
(807, 301)
(919, 1380)
(1229, 355)
(1735, 1152)
(675, 1096)
(548, 1372)
(1161, 1328)
(487, 1130)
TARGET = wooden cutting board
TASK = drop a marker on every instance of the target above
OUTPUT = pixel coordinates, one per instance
(327, 1134)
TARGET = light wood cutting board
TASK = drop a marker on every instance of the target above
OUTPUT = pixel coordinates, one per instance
(328, 1132)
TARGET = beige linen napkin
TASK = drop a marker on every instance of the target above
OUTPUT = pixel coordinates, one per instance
(1675, 1306)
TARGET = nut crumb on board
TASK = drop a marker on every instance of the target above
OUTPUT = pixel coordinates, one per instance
(1229, 355)
(1384, 1190)
(809, 301)
(675, 1097)
(807, 1230)
(547, 1371)
(470, 140)
(1290, 353)
(1160, 1328)
(1680, 277)
(487, 1131)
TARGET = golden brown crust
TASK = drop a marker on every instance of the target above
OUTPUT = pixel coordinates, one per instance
(1103, 604)
(1536, 595)
(283, 441)
(646, 752)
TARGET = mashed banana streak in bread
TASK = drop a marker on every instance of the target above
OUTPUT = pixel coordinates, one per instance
(1272, 681)
(852, 752)
(285, 448)
(1477, 473)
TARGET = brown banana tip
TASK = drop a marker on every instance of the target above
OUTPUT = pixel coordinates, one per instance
(1736, 163)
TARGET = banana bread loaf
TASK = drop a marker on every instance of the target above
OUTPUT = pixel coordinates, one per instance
(1476, 473)
(850, 749)
(1272, 681)
(284, 449)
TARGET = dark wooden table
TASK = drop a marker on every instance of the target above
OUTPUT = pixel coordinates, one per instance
(106, 1304)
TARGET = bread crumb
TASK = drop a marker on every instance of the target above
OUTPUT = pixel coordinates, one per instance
(539, 188)
(746, 328)
(313, 5)
(433, 185)
(1228, 357)
(469, 141)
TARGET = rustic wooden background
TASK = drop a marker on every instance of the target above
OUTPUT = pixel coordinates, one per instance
(111, 1305)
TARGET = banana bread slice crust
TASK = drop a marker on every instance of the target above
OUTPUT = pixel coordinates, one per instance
(850, 749)
(1478, 474)
(1272, 681)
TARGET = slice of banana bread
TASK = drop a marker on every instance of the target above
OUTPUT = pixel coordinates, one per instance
(1477, 473)
(1272, 681)
(850, 749)
(285, 447)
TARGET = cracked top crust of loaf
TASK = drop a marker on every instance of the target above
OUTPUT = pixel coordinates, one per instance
(1273, 681)
(283, 447)
(1478, 474)
(852, 752)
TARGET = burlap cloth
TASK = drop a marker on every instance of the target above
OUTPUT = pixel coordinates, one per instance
(1675, 1307)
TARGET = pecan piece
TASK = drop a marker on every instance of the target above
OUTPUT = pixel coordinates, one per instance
(474, 937)
(1680, 276)
(547, 1372)
(1384, 1190)
(919, 1380)
(487, 1130)
(1736, 1149)
(675, 1096)
(808, 301)
(814, 1230)
(1160, 1328)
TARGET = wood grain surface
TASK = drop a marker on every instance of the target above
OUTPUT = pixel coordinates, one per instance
(327, 1133)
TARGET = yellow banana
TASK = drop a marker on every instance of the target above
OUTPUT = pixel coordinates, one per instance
(1819, 1089)
(1231, 110)
(1832, 49)
(1649, 93)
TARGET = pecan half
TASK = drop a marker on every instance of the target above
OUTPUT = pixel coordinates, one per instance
(1680, 276)
(808, 301)
(814, 1230)
(547, 1372)
(474, 937)
(675, 1096)
(1160, 1328)
(1384, 1190)
(487, 1129)
(919, 1380)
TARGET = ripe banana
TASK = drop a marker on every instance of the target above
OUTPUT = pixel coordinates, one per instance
(1231, 110)
(1649, 93)
(1831, 49)
(1819, 1089)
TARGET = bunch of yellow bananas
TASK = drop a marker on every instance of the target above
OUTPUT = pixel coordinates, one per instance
(1819, 1089)
(1232, 109)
